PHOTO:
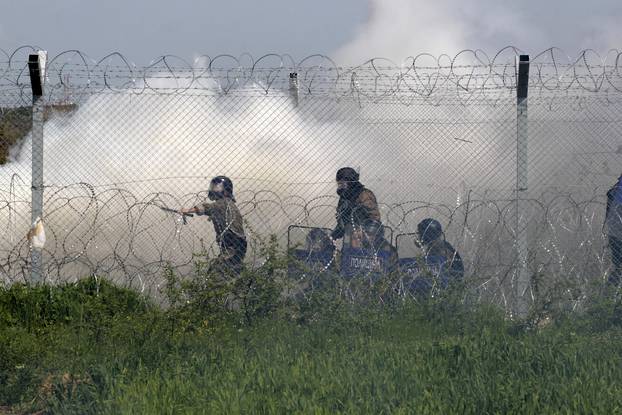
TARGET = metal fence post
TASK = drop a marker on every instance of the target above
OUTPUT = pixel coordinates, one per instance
(522, 133)
(293, 87)
(36, 66)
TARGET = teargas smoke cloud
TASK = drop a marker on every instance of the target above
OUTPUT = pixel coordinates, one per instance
(432, 138)
(397, 29)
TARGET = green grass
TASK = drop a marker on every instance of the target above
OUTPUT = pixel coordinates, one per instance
(94, 348)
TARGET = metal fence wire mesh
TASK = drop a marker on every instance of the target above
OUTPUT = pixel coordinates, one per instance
(434, 137)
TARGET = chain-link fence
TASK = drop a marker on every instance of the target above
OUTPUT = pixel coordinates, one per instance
(432, 138)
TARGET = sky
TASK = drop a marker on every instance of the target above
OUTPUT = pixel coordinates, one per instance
(143, 30)
(350, 31)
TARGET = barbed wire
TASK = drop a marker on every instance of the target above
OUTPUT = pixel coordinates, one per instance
(129, 238)
(434, 137)
(470, 74)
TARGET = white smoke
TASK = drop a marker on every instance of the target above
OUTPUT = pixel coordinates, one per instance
(173, 143)
(130, 146)
(397, 29)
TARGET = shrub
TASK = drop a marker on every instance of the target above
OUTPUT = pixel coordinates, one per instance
(89, 299)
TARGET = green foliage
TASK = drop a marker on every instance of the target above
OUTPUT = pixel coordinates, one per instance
(602, 314)
(15, 123)
(256, 343)
(90, 299)
(198, 303)
(34, 320)
(215, 294)
(258, 291)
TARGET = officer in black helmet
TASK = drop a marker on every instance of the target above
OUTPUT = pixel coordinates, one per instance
(358, 216)
(432, 239)
(357, 208)
(613, 227)
(228, 224)
(318, 242)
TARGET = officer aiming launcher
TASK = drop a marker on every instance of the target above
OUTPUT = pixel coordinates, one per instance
(228, 225)
(183, 215)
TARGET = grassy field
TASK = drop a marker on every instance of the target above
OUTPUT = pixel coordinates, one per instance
(94, 348)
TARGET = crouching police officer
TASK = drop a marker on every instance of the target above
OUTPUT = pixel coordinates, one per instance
(228, 225)
(613, 225)
(436, 248)
(357, 208)
(358, 216)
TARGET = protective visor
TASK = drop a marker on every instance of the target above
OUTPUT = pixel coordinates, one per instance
(216, 187)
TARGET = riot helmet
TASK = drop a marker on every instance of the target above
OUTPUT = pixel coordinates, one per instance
(347, 174)
(346, 178)
(318, 240)
(373, 233)
(219, 187)
(429, 230)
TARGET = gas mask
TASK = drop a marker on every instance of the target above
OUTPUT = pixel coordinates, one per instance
(342, 188)
(216, 191)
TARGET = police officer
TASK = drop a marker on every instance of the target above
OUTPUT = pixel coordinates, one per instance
(613, 223)
(357, 209)
(434, 246)
(358, 216)
(228, 225)
(318, 243)
(320, 261)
